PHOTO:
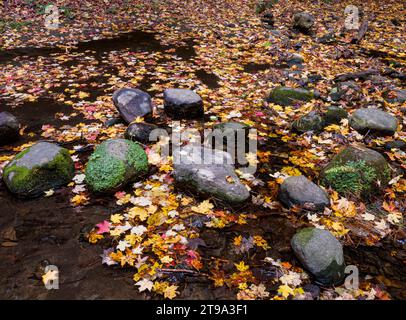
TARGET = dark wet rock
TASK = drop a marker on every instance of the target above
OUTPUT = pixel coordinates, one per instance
(314, 78)
(348, 90)
(210, 172)
(113, 121)
(328, 38)
(140, 131)
(395, 96)
(303, 21)
(356, 170)
(263, 5)
(132, 103)
(362, 75)
(115, 163)
(294, 59)
(298, 190)
(321, 254)
(334, 115)
(375, 120)
(397, 144)
(41, 167)
(268, 19)
(183, 104)
(286, 96)
(309, 122)
(312, 290)
(9, 128)
(378, 80)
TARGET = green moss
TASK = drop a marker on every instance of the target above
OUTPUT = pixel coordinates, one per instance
(103, 173)
(285, 96)
(354, 177)
(332, 275)
(304, 235)
(137, 158)
(106, 172)
(32, 182)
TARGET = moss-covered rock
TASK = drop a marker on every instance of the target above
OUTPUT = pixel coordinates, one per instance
(321, 254)
(42, 167)
(309, 122)
(115, 163)
(334, 115)
(286, 96)
(356, 170)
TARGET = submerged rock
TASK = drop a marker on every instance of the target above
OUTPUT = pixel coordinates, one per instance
(41, 167)
(397, 144)
(209, 171)
(132, 103)
(309, 122)
(356, 170)
(303, 21)
(395, 96)
(286, 96)
(321, 254)
(183, 104)
(139, 131)
(334, 115)
(299, 190)
(115, 163)
(375, 120)
(348, 91)
(9, 128)
(294, 59)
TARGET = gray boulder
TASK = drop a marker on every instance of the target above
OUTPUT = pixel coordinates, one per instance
(209, 171)
(299, 190)
(9, 128)
(41, 167)
(115, 163)
(375, 120)
(321, 254)
(183, 104)
(139, 131)
(132, 103)
(303, 21)
(286, 96)
(309, 122)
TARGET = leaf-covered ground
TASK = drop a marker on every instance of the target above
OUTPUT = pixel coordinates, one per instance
(159, 240)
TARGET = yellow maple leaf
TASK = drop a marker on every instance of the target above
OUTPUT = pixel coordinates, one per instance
(116, 218)
(285, 291)
(141, 213)
(241, 266)
(204, 207)
(79, 199)
(83, 95)
(170, 292)
(237, 241)
(94, 237)
(166, 259)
